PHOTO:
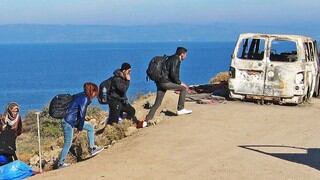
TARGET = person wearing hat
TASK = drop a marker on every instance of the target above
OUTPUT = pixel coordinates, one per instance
(10, 129)
(118, 100)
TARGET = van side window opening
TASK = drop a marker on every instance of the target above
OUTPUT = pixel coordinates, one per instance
(315, 45)
(283, 51)
(251, 49)
(311, 51)
(306, 47)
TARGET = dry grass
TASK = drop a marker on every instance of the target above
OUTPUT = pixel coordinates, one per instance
(220, 77)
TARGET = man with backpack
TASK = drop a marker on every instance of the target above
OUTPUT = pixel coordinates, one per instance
(117, 96)
(169, 79)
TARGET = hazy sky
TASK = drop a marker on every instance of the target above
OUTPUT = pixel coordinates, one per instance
(142, 12)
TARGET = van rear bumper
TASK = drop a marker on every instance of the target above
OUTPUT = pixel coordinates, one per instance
(282, 100)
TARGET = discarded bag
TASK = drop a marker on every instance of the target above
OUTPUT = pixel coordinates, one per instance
(15, 170)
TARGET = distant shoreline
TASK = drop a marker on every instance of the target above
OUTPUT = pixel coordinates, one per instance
(215, 32)
(110, 42)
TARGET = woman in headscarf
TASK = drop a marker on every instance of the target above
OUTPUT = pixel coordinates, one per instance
(10, 129)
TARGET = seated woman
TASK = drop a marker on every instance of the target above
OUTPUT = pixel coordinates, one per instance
(10, 129)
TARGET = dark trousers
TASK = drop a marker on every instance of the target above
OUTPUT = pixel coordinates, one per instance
(161, 91)
(117, 108)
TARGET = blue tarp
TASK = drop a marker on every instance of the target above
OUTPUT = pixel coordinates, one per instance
(15, 170)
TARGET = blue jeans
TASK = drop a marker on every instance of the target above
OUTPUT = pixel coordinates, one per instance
(68, 136)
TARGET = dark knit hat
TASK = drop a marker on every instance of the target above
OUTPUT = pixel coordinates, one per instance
(181, 50)
(125, 66)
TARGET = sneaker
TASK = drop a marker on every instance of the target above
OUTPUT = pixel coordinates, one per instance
(184, 111)
(64, 165)
(141, 124)
(96, 150)
(144, 124)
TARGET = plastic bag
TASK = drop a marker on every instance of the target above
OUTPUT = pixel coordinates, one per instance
(15, 170)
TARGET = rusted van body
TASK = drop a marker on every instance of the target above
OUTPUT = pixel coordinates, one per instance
(282, 68)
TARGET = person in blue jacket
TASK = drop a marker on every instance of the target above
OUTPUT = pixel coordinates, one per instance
(75, 118)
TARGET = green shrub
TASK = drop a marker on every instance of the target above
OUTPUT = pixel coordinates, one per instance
(96, 112)
(51, 127)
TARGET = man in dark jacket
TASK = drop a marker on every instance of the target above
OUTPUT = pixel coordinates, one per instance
(118, 100)
(171, 81)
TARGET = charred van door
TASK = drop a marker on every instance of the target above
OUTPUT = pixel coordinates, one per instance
(280, 68)
(317, 83)
(250, 65)
(311, 68)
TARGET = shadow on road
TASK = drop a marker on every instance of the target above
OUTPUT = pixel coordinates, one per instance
(311, 157)
(169, 113)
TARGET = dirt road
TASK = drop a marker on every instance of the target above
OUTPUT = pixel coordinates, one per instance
(235, 140)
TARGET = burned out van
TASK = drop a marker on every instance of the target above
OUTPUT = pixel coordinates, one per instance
(281, 68)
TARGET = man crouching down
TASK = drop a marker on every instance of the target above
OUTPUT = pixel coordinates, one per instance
(118, 100)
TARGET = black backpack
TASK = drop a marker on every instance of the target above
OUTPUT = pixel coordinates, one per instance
(104, 90)
(157, 68)
(59, 105)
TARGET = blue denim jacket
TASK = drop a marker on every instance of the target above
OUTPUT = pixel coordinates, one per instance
(77, 110)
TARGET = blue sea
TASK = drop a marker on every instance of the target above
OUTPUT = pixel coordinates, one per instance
(31, 74)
